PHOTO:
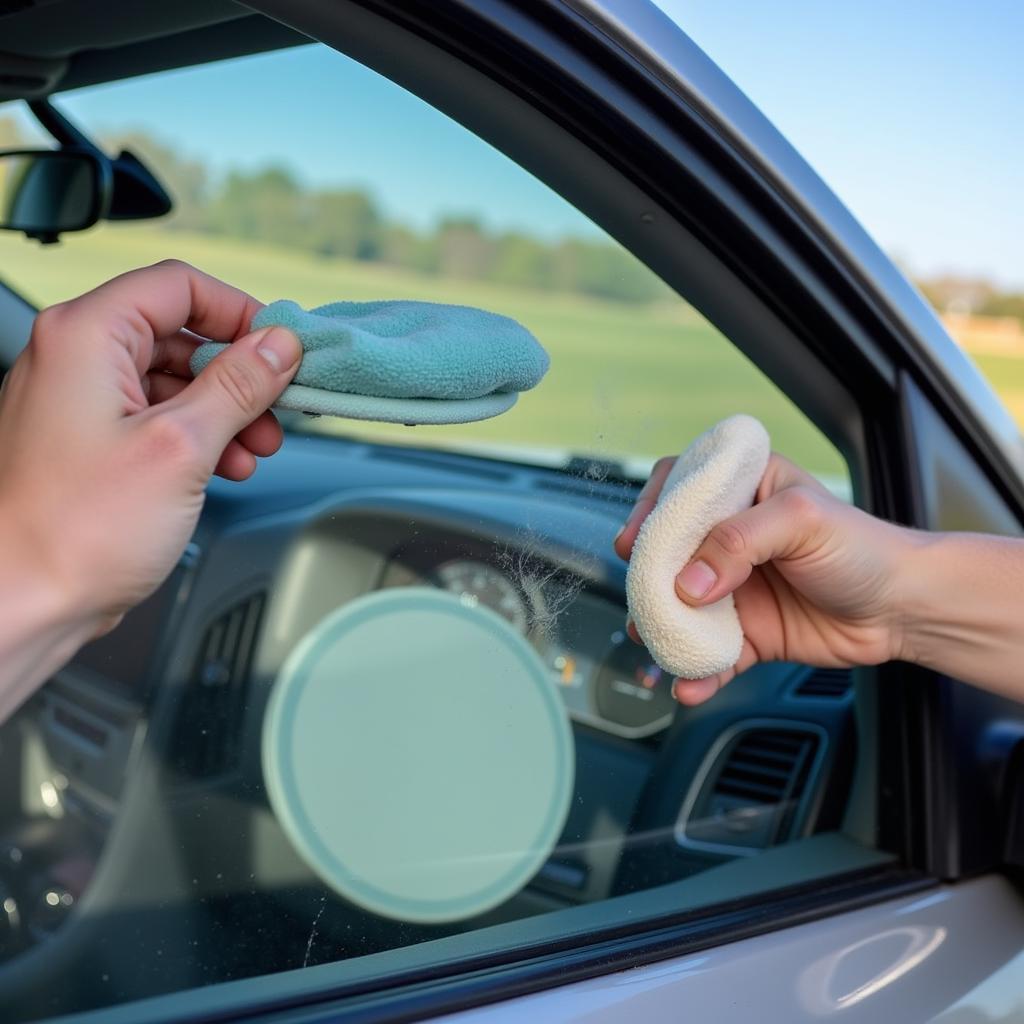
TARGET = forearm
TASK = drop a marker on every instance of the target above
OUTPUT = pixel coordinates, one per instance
(38, 633)
(962, 608)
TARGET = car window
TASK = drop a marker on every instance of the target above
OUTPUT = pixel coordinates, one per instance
(176, 798)
(428, 212)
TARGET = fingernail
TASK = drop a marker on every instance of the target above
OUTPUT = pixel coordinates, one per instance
(280, 349)
(622, 530)
(696, 579)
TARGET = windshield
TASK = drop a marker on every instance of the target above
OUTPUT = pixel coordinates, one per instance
(388, 198)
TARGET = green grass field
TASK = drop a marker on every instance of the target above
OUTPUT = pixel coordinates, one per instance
(624, 380)
(1006, 374)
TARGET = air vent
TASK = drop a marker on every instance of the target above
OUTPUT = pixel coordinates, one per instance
(751, 795)
(607, 490)
(210, 723)
(829, 683)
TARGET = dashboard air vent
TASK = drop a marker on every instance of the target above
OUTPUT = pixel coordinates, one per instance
(831, 683)
(211, 718)
(606, 489)
(750, 797)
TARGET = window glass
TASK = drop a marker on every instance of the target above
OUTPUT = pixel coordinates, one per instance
(225, 784)
(398, 200)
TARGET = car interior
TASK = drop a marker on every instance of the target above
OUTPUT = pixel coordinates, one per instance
(139, 853)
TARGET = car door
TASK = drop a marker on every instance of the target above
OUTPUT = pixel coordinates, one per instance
(949, 458)
(657, 898)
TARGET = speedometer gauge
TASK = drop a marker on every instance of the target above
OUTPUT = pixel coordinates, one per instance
(479, 583)
(632, 691)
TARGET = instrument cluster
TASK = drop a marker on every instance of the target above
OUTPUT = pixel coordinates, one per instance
(606, 681)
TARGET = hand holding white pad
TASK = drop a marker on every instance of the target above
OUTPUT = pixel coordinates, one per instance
(714, 479)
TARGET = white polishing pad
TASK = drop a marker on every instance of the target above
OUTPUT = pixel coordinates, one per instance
(418, 756)
(715, 478)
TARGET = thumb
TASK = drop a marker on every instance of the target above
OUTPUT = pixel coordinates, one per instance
(238, 385)
(773, 529)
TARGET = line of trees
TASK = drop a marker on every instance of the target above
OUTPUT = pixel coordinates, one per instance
(950, 293)
(272, 205)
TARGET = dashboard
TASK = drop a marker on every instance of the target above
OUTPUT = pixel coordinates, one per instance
(135, 817)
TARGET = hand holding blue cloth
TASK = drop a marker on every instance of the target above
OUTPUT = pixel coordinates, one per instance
(402, 361)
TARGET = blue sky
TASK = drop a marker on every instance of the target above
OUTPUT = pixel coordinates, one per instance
(912, 111)
(334, 122)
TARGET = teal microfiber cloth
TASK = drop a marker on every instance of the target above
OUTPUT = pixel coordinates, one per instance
(402, 361)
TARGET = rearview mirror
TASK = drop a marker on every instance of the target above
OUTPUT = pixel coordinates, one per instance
(46, 192)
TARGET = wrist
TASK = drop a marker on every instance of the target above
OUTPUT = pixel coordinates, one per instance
(960, 595)
(917, 594)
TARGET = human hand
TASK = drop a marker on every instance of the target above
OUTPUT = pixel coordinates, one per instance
(814, 580)
(107, 444)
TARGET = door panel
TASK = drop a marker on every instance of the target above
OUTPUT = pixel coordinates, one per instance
(953, 956)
